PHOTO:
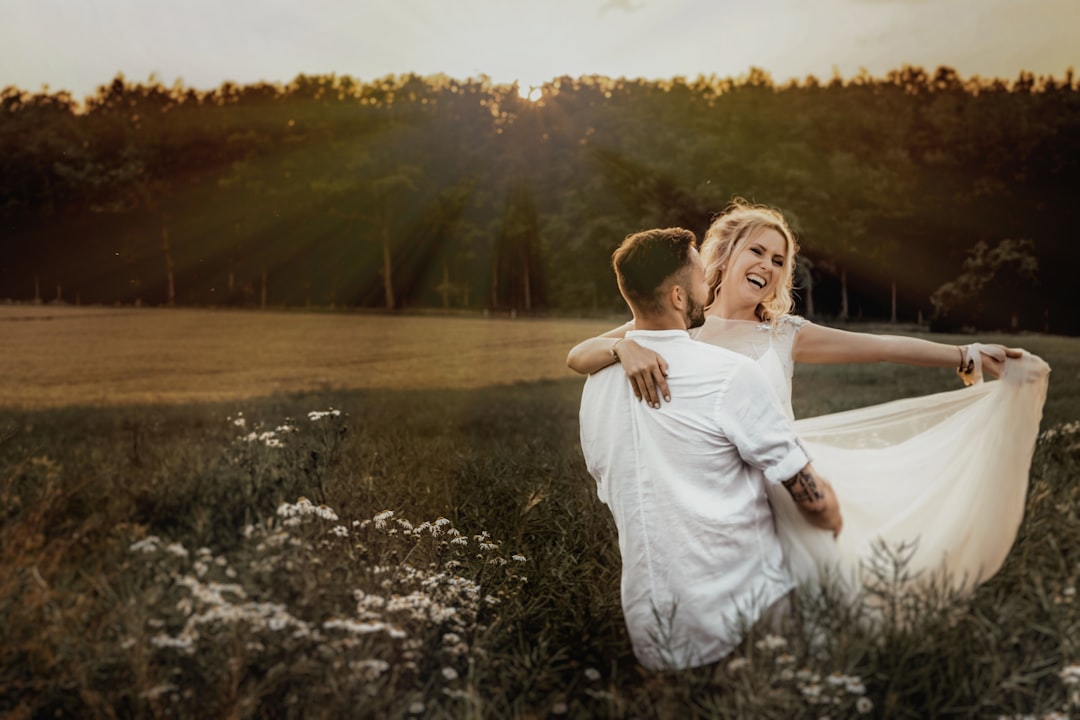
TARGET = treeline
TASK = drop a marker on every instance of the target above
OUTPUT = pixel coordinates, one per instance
(915, 196)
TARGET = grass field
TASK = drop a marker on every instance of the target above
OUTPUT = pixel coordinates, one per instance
(156, 559)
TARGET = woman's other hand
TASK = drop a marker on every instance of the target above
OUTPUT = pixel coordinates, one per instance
(646, 370)
(994, 356)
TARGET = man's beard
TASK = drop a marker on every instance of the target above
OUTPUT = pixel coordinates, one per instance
(695, 314)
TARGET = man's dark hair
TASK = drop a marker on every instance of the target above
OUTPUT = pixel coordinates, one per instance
(645, 260)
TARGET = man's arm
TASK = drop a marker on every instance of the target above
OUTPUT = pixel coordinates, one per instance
(814, 497)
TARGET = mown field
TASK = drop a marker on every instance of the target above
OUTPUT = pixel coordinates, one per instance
(450, 558)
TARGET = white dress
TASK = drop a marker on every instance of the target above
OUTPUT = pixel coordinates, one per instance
(944, 475)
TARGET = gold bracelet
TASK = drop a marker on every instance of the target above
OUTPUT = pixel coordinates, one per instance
(614, 354)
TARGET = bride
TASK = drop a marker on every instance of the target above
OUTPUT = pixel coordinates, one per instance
(941, 479)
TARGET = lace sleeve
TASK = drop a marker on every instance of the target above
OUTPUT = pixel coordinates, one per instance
(785, 330)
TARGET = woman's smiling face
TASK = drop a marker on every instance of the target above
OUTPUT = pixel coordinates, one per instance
(753, 273)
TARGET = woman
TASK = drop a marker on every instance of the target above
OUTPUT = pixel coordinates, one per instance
(942, 477)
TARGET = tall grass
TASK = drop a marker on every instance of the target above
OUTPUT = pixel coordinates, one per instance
(442, 553)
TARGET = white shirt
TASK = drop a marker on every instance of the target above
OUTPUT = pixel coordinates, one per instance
(686, 486)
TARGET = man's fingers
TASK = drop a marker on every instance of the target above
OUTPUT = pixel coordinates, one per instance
(1014, 352)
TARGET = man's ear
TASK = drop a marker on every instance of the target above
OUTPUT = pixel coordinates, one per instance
(677, 296)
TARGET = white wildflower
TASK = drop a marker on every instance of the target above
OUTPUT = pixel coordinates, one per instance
(864, 705)
(157, 691)
(855, 686)
(167, 641)
(417, 708)
(356, 628)
(836, 679)
(1070, 675)
(770, 642)
(148, 544)
(737, 664)
(518, 558)
(460, 541)
(592, 674)
(450, 673)
(369, 669)
(340, 531)
(785, 659)
(316, 415)
(176, 549)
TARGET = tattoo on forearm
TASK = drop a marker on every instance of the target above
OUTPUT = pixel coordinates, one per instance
(803, 488)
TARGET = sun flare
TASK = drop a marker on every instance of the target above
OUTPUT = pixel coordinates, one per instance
(532, 93)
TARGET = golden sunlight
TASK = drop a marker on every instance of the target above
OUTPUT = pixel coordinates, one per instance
(532, 93)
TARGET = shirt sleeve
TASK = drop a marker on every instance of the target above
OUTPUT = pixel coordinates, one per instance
(760, 431)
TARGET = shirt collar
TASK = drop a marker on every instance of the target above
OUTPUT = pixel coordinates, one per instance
(658, 334)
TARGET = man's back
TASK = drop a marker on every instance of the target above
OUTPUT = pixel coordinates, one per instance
(686, 486)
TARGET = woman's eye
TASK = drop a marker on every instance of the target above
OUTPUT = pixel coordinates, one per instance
(778, 263)
(756, 251)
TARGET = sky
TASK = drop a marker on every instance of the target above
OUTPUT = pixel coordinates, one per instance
(77, 45)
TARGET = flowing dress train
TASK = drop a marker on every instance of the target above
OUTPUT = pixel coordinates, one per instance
(944, 475)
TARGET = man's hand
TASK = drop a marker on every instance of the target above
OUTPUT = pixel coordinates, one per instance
(646, 370)
(815, 499)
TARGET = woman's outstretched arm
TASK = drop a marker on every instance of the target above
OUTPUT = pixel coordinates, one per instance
(818, 344)
(645, 369)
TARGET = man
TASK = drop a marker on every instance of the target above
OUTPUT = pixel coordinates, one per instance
(686, 482)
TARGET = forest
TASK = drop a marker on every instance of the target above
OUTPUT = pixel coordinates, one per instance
(921, 196)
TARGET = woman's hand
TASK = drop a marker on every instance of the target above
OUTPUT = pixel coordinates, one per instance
(994, 356)
(646, 370)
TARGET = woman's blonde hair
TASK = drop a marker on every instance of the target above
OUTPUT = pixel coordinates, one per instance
(728, 234)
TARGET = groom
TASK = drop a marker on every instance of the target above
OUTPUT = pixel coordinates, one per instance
(686, 483)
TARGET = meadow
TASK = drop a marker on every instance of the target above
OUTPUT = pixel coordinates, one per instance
(243, 514)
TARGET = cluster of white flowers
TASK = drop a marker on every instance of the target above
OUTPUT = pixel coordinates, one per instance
(381, 518)
(400, 609)
(316, 415)
(369, 670)
(771, 642)
(304, 508)
(1062, 430)
(454, 645)
(268, 438)
(152, 544)
(1070, 675)
(833, 691)
(736, 664)
(356, 627)
(207, 604)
